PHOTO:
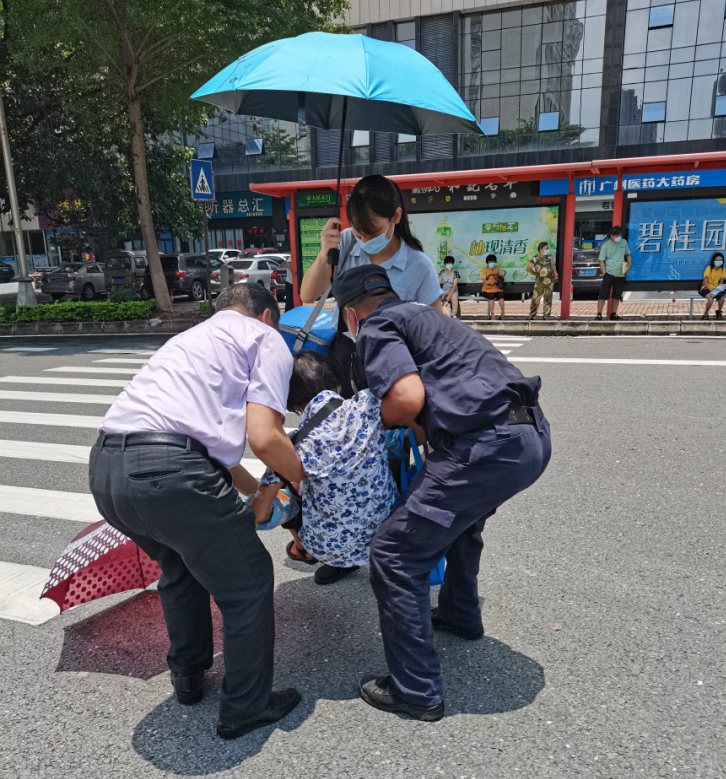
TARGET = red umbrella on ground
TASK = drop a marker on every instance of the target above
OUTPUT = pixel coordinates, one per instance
(99, 561)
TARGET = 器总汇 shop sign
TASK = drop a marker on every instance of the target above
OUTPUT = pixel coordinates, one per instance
(233, 205)
(675, 239)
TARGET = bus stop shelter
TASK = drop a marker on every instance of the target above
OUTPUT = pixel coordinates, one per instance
(672, 209)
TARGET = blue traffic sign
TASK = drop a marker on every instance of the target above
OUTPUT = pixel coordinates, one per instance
(202, 183)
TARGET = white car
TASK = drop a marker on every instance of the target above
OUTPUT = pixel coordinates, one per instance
(255, 270)
(225, 255)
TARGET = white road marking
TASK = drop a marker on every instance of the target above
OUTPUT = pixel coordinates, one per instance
(75, 382)
(122, 351)
(627, 295)
(505, 351)
(31, 349)
(20, 588)
(86, 369)
(510, 345)
(49, 420)
(53, 504)
(58, 397)
(498, 337)
(34, 450)
(120, 359)
(594, 361)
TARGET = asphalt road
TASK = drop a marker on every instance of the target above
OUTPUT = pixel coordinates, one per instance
(603, 602)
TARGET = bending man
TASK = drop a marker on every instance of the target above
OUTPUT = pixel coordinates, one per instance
(490, 442)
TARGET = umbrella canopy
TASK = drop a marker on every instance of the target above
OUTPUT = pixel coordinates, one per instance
(99, 561)
(389, 87)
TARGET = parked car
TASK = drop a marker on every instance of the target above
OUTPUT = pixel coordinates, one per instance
(277, 280)
(586, 275)
(77, 279)
(125, 269)
(256, 270)
(225, 254)
(7, 272)
(186, 274)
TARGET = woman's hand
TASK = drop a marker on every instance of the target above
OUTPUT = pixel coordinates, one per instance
(330, 235)
(262, 509)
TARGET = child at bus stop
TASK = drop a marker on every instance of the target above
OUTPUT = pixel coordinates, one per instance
(348, 488)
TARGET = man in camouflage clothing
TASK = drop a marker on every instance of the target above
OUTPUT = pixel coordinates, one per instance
(542, 267)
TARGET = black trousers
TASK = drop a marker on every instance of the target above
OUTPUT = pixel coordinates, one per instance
(181, 508)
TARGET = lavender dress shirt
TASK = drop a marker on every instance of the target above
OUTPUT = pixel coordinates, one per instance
(199, 383)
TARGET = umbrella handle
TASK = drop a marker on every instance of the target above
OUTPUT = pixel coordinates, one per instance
(333, 257)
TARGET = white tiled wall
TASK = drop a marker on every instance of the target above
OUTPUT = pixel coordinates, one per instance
(362, 12)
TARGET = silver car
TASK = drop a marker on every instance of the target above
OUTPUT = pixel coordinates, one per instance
(81, 280)
(254, 271)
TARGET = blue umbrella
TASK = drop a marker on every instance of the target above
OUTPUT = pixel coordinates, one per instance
(311, 79)
(338, 81)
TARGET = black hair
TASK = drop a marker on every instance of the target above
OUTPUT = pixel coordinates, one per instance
(713, 257)
(367, 299)
(378, 195)
(449, 258)
(491, 258)
(542, 245)
(312, 373)
(615, 230)
(253, 299)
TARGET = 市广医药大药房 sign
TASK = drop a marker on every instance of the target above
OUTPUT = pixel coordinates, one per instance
(588, 186)
(232, 205)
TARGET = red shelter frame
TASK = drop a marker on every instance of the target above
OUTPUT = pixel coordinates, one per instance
(611, 167)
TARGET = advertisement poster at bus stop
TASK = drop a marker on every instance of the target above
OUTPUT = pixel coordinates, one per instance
(512, 234)
(673, 240)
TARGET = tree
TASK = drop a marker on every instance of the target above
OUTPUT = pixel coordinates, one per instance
(148, 57)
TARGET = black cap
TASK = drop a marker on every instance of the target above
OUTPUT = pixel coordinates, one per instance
(352, 283)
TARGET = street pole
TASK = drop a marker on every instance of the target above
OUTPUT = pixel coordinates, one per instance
(206, 254)
(26, 294)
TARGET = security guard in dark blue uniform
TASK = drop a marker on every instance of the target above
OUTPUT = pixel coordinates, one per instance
(490, 441)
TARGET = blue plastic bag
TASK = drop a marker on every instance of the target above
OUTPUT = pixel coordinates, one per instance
(407, 476)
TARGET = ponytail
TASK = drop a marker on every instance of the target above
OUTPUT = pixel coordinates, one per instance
(379, 195)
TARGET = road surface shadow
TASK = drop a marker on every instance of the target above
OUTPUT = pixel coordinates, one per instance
(129, 639)
(327, 637)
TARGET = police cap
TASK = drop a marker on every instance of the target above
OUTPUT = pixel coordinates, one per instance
(355, 282)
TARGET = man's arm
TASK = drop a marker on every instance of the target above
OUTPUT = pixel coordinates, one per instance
(629, 260)
(404, 401)
(268, 441)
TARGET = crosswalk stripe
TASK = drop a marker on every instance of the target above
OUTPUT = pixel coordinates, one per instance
(498, 337)
(20, 588)
(87, 369)
(121, 351)
(510, 345)
(505, 351)
(53, 504)
(128, 362)
(31, 349)
(49, 420)
(35, 450)
(58, 397)
(594, 361)
(75, 382)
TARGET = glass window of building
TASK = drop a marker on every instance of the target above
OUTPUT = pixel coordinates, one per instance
(534, 73)
(406, 34)
(673, 75)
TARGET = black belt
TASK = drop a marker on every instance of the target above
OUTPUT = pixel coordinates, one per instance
(523, 415)
(153, 439)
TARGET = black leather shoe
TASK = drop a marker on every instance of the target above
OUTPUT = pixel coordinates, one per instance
(327, 574)
(379, 693)
(615, 318)
(280, 705)
(188, 688)
(439, 623)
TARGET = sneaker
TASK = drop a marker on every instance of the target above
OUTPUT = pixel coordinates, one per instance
(598, 316)
(280, 705)
(705, 316)
(329, 574)
(614, 317)
(380, 693)
(719, 314)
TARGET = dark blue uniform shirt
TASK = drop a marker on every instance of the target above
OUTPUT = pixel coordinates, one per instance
(469, 384)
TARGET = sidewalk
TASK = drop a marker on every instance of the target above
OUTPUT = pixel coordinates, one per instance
(664, 309)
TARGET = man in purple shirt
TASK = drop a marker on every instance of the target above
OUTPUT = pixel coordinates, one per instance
(164, 472)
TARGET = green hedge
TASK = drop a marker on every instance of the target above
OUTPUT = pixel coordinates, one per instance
(78, 312)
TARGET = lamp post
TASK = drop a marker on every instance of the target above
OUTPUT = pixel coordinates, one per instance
(26, 294)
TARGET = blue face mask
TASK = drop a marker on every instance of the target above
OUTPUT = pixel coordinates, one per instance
(377, 244)
(492, 264)
(617, 238)
(718, 263)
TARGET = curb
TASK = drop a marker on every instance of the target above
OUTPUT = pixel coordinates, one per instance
(570, 328)
(132, 326)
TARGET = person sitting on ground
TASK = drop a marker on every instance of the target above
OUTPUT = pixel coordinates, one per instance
(348, 488)
(492, 289)
(713, 279)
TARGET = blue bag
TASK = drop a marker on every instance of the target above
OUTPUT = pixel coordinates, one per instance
(407, 476)
(317, 338)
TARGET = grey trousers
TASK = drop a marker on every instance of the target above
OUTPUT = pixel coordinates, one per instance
(181, 508)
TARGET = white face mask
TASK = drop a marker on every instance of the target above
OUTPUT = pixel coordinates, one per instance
(449, 267)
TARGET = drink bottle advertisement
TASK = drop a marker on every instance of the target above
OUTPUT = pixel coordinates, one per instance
(512, 234)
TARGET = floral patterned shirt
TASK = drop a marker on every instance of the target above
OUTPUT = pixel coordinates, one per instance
(543, 270)
(348, 489)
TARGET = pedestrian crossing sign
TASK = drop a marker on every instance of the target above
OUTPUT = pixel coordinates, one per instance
(202, 182)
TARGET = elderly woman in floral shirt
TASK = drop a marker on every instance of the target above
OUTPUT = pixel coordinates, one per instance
(542, 267)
